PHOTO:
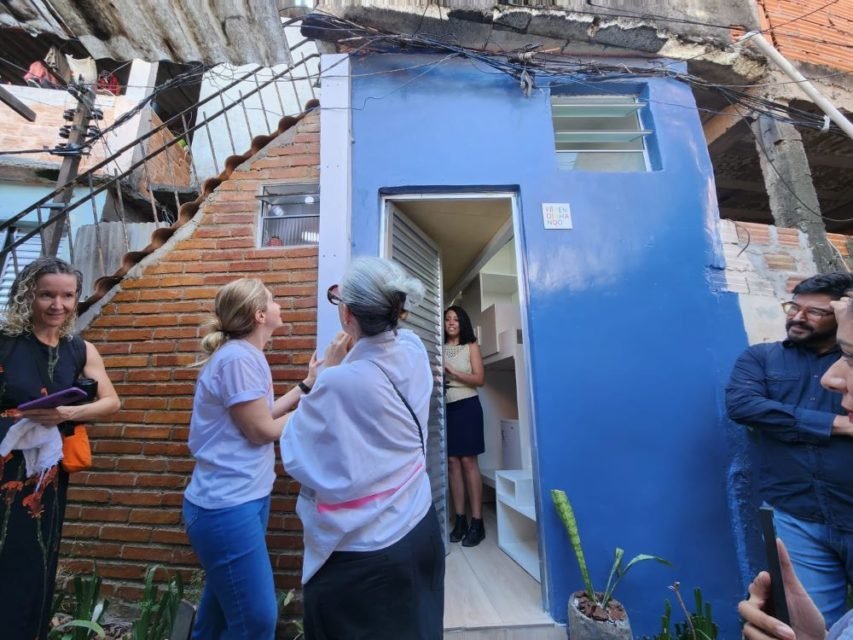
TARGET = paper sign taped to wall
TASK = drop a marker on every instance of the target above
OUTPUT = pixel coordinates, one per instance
(557, 215)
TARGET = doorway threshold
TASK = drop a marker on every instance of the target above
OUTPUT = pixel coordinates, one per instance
(488, 596)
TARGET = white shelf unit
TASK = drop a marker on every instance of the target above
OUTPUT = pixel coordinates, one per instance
(516, 512)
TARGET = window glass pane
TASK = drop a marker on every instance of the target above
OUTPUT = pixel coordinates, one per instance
(290, 215)
(598, 161)
(290, 231)
(622, 123)
(279, 209)
(632, 145)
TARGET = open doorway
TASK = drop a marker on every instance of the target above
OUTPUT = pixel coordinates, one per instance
(463, 247)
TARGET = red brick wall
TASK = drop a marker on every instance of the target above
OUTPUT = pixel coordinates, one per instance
(823, 37)
(124, 514)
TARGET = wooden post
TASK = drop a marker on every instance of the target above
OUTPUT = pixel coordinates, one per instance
(68, 172)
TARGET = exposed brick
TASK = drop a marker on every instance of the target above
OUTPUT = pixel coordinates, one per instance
(780, 262)
(151, 516)
(136, 498)
(85, 494)
(127, 509)
(145, 403)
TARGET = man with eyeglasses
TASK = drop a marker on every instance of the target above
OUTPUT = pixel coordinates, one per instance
(804, 439)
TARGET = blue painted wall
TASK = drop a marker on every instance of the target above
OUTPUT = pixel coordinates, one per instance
(630, 344)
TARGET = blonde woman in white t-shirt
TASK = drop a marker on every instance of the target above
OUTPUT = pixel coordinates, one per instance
(463, 373)
(235, 421)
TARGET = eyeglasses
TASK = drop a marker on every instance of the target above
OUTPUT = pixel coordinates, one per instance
(332, 296)
(812, 313)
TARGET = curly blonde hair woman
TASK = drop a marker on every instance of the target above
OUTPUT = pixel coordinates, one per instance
(18, 317)
(39, 355)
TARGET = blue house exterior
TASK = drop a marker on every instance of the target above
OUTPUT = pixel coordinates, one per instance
(630, 335)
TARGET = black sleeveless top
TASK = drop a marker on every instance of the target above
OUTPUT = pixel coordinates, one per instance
(26, 362)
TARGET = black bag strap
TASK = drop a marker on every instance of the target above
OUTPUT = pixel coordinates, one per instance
(405, 402)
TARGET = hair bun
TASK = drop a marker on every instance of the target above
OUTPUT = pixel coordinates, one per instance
(411, 289)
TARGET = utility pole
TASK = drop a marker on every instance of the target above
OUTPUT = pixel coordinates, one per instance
(73, 151)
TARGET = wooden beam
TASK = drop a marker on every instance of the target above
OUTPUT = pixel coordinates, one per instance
(759, 187)
(746, 215)
(740, 185)
(16, 105)
(830, 160)
(724, 130)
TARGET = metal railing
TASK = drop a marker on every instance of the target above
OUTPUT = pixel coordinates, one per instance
(18, 236)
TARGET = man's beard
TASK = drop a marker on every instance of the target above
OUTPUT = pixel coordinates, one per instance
(811, 336)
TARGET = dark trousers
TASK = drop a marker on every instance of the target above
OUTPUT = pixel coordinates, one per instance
(396, 593)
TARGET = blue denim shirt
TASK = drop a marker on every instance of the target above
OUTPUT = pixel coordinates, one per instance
(804, 470)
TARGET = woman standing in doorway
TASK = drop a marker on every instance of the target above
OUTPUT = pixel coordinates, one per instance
(463, 368)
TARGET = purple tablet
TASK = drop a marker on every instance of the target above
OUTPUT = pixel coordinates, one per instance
(58, 399)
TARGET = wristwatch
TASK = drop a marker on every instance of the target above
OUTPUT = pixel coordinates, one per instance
(304, 388)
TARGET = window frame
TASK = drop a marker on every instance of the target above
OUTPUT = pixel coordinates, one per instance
(631, 104)
(283, 194)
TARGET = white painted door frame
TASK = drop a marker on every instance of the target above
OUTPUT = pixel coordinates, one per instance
(523, 296)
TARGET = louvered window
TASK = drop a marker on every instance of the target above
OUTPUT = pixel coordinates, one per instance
(599, 133)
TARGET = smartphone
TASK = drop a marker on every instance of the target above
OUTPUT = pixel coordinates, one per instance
(57, 399)
(778, 605)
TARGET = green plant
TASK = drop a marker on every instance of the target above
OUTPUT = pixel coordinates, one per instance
(698, 625)
(157, 612)
(617, 571)
(86, 611)
(285, 598)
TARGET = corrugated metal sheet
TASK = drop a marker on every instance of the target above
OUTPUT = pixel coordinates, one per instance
(208, 31)
(822, 37)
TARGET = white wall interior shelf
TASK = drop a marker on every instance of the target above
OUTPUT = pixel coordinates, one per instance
(517, 536)
(495, 320)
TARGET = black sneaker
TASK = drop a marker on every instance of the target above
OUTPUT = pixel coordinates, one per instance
(459, 529)
(476, 533)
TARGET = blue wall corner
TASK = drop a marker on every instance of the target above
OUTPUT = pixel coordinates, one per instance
(630, 343)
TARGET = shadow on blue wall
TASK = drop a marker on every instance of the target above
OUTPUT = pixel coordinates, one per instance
(630, 341)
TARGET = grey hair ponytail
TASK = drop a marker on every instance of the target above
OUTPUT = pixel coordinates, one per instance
(379, 292)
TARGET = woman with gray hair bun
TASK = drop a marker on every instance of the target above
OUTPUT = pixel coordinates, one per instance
(374, 558)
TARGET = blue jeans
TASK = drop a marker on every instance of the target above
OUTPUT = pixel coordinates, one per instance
(238, 601)
(823, 558)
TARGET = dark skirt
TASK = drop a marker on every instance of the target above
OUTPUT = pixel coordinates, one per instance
(465, 428)
(31, 517)
(395, 593)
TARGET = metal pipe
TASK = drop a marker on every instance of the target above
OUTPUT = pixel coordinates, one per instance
(228, 126)
(808, 88)
(212, 152)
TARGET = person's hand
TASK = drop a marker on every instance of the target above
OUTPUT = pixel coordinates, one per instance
(450, 372)
(313, 370)
(842, 426)
(338, 348)
(840, 306)
(806, 619)
(49, 417)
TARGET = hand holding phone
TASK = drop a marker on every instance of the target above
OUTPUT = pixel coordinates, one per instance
(778, 604)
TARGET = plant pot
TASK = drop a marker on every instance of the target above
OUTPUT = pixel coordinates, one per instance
(588, 621)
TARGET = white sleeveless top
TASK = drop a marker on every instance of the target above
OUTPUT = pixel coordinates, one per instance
(458, 357)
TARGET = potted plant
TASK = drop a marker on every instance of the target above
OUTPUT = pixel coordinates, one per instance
(595, 615)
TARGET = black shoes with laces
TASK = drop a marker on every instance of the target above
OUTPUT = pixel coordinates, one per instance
(476, 533)
(459, 529)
